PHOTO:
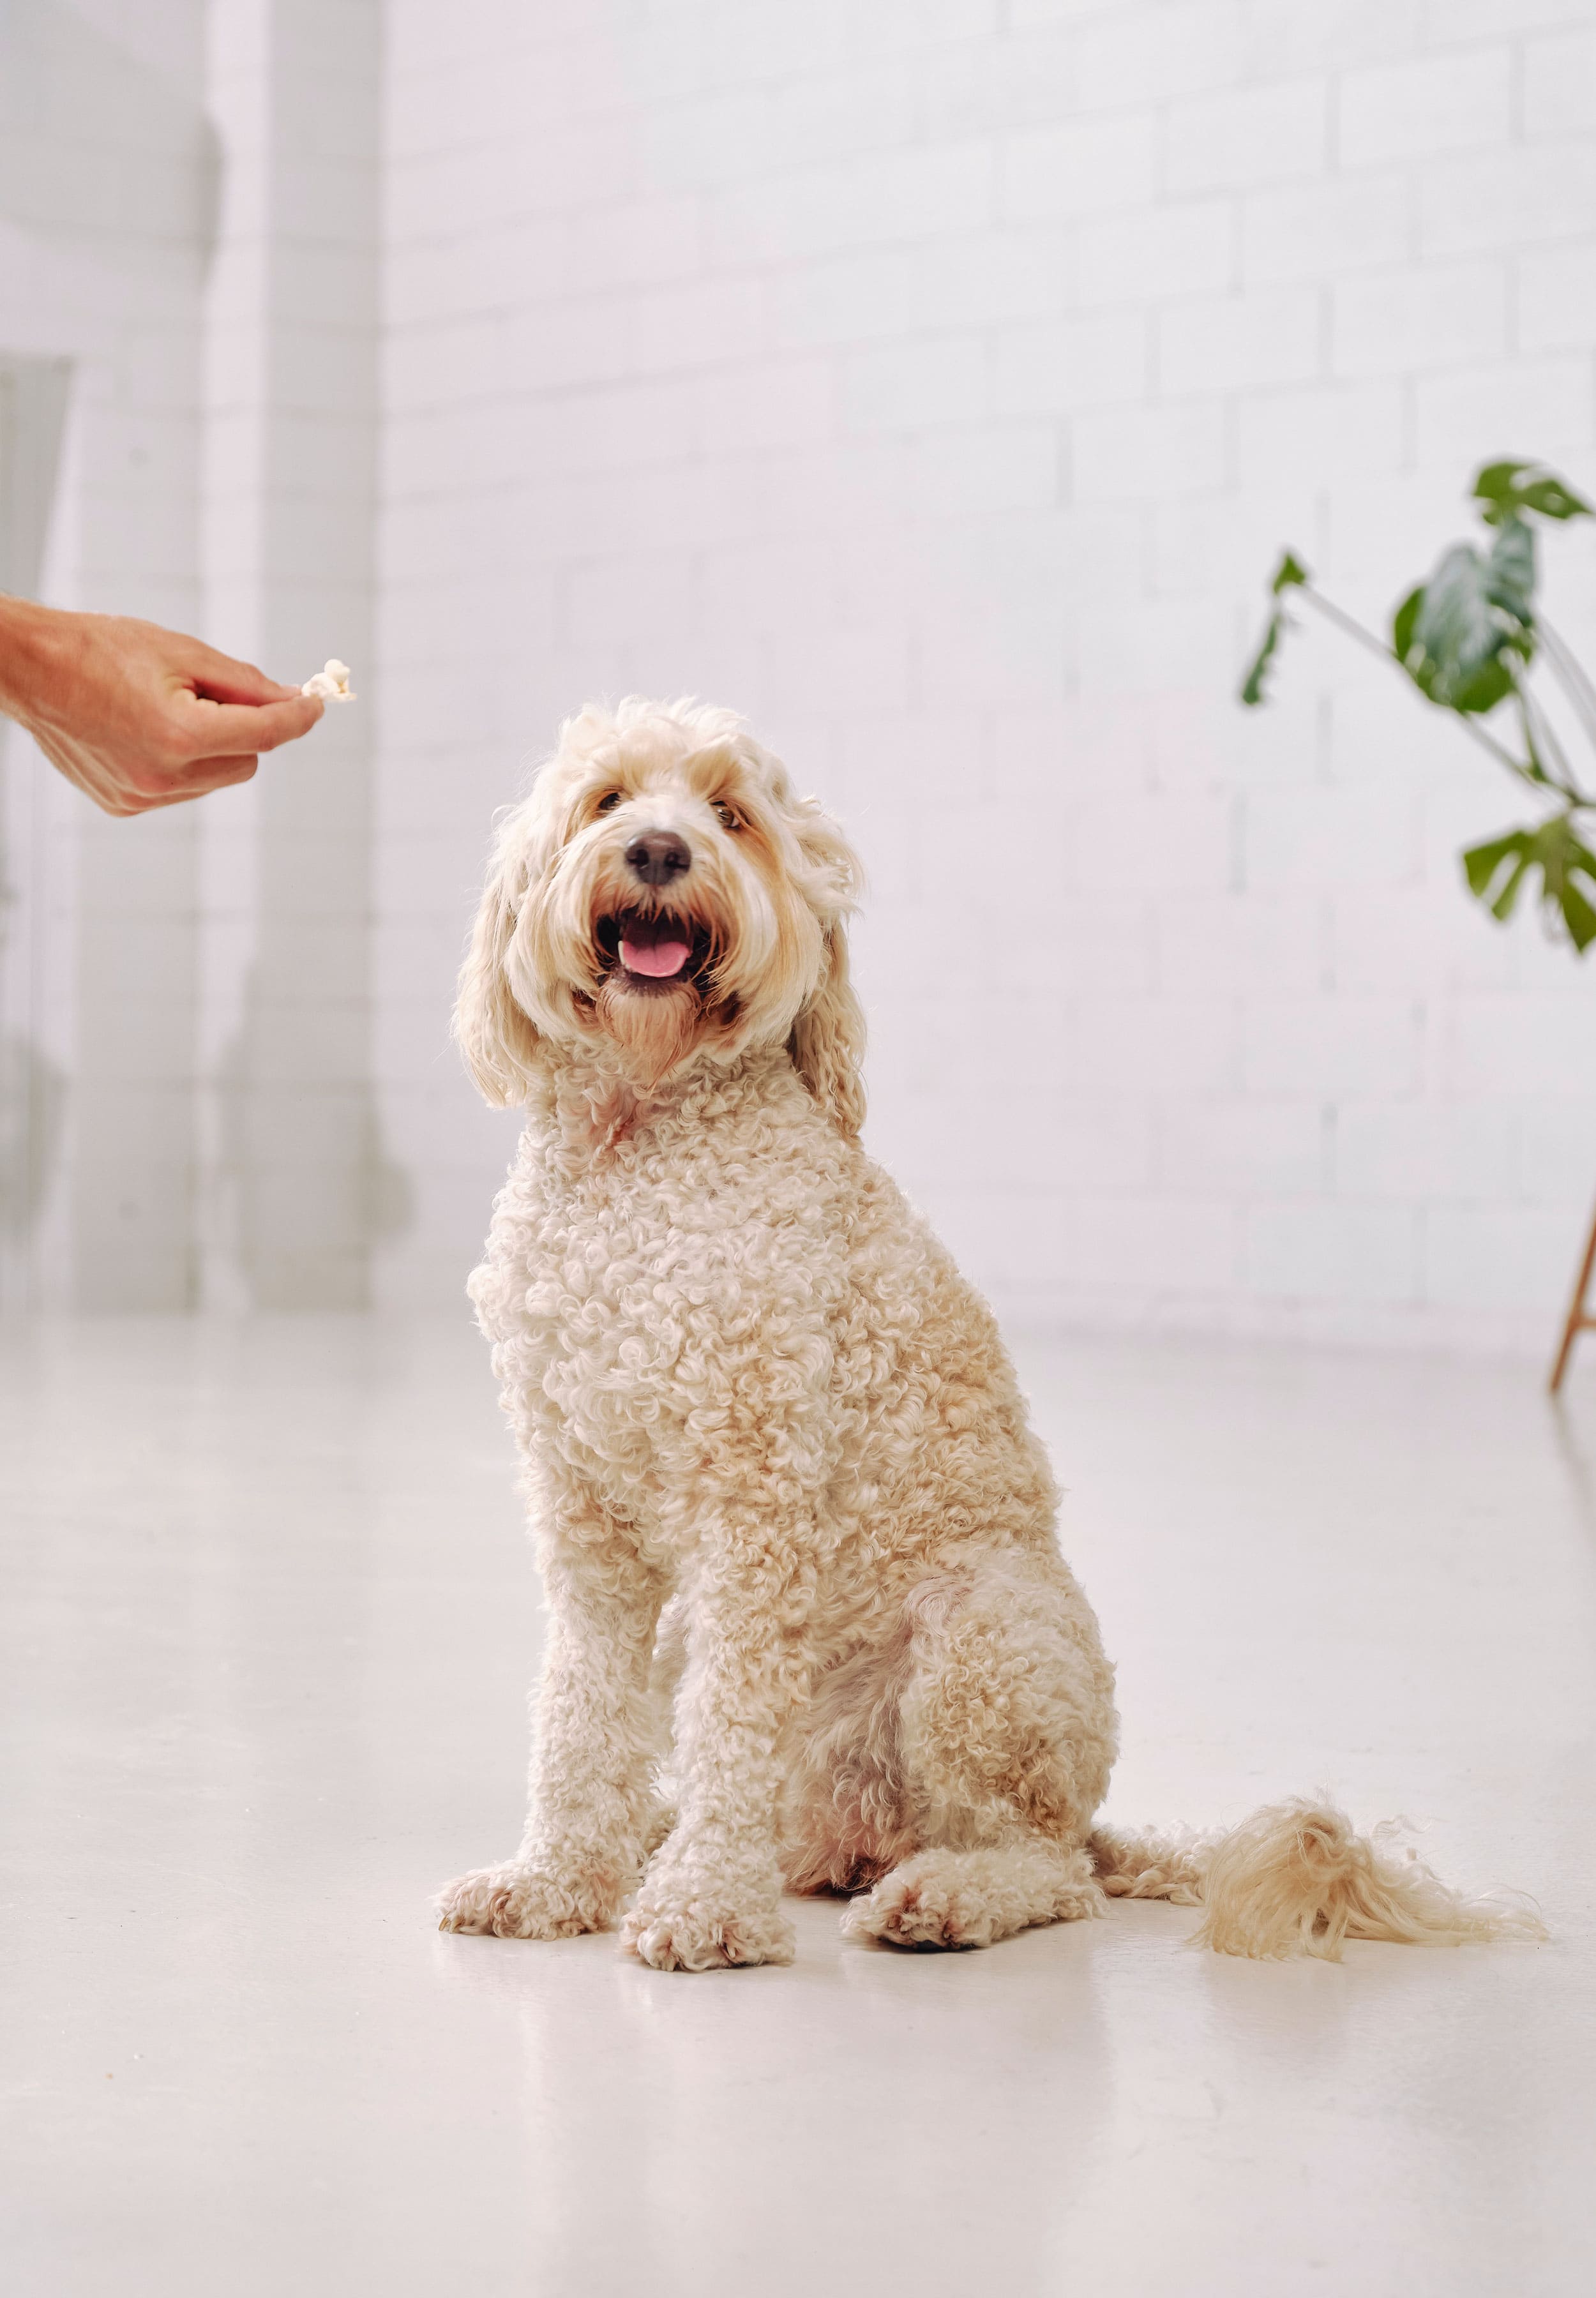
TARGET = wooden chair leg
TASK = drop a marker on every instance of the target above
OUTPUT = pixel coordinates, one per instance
(1577, 1321)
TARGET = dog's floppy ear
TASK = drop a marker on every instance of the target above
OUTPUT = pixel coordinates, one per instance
(827, 1044)
(495, 1037)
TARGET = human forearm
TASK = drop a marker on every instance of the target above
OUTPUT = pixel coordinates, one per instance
(25, 647)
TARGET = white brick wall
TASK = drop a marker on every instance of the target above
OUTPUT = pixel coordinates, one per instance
(936, 383)
(934, 379)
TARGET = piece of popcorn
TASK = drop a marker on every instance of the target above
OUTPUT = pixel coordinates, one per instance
(332, 683)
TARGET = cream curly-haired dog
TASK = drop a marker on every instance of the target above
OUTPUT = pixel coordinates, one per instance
(807, 1617)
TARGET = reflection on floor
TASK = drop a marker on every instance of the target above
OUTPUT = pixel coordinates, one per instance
(266, 1619)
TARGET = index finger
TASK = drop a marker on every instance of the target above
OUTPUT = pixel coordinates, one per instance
(220, 678)
(231, 730)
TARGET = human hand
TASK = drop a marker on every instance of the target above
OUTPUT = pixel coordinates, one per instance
(139, 716)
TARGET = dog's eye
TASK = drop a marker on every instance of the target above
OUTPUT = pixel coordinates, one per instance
(609, 799)
(729, 817)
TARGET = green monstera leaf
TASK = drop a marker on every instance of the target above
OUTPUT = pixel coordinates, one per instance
(1506, 491)
(1466, 638)
(1510, 572)
(1289, 574)
(1497, 871)
(1460, 635)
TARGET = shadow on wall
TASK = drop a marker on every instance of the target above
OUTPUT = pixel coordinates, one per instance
(33, 1095)
(294, 1221)
(33, 410)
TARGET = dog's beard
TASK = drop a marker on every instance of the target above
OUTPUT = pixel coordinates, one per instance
(656, 999)
(654, 1028)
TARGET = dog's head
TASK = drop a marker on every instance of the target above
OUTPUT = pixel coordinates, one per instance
(665, 893)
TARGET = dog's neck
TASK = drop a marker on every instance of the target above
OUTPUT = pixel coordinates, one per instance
(588, 1105)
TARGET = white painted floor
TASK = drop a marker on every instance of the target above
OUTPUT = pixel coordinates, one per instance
(266, 1617)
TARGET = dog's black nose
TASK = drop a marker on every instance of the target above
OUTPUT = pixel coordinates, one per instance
(658, 856)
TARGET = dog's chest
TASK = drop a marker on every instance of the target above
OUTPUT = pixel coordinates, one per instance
(638, 1304)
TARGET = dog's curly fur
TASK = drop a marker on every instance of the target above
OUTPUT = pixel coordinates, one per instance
(808, 1621)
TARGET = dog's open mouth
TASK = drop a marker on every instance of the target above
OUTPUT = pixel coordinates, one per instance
(658, 949)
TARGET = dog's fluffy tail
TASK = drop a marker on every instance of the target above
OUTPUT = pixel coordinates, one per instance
(1296, 1880)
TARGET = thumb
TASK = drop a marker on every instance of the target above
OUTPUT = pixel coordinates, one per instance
(219, 730)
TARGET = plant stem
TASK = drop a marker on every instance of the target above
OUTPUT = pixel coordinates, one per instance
(1570, 674)
(1540, 732)
(1348, 623)
(1355, 629)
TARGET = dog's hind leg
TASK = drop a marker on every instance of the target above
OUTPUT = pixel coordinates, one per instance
(970, 1898)
(1006, 1731)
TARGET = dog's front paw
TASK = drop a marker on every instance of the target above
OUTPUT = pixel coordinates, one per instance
(703, 1930)
(517, 1902)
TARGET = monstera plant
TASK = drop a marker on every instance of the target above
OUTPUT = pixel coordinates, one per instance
(1469, 637)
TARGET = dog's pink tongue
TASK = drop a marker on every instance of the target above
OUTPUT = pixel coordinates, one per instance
(666, 958)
